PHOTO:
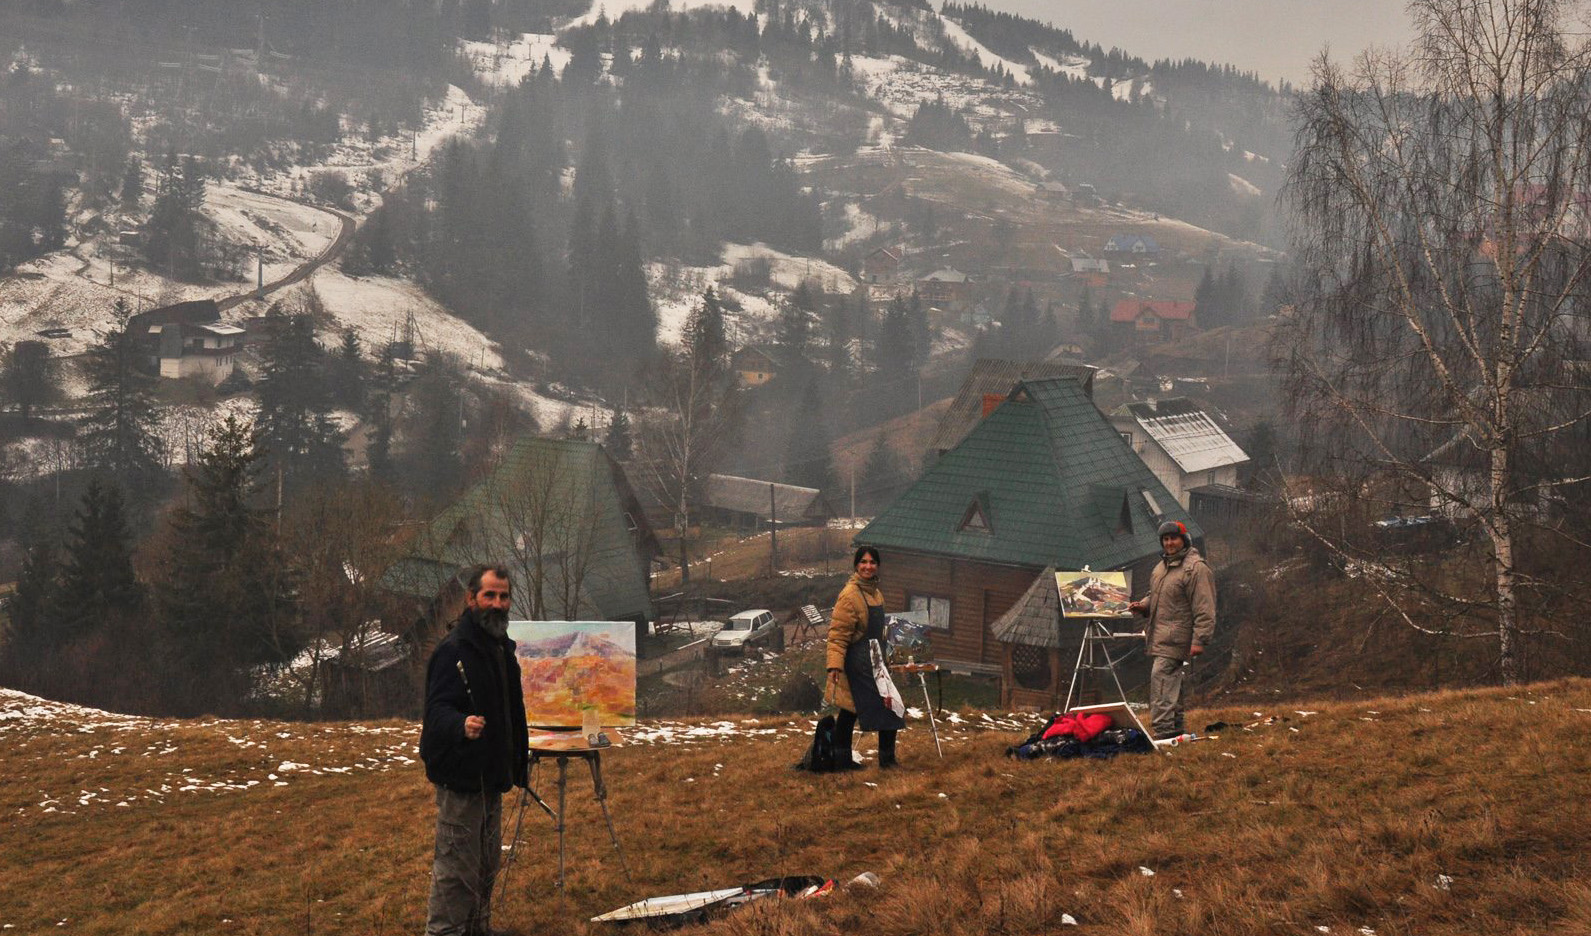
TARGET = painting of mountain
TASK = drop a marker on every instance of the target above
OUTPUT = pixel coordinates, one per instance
(567, 667)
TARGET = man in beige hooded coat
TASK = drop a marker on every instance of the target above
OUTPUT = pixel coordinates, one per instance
(1181, 610)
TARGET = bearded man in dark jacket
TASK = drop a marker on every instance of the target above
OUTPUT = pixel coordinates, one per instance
(476, 748)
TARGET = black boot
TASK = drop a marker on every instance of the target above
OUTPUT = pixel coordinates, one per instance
(844, 729)
(886, 750)
(843, 761)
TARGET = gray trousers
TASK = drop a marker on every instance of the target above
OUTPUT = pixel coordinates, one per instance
(1165, 697)
(469, 848)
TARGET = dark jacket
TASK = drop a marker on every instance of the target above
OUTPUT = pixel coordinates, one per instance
(500, 757)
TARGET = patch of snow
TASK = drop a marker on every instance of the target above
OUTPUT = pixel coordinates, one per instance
(901, 84)
(505, 64)
(1242, 186)
(964, 41)
(859, 225)
(377, 306)
(614, 9)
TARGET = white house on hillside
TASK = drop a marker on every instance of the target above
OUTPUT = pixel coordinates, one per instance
(205, 350)
(1184, 447)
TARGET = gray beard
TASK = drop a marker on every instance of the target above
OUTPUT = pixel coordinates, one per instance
(494, 623)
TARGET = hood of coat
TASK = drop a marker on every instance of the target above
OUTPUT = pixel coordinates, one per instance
(868, 587)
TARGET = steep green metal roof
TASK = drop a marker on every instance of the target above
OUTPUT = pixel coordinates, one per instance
(560, 500)
(1059, 484)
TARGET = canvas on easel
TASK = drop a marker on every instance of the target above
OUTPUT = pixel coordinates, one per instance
(1088, 594)
(570, 669)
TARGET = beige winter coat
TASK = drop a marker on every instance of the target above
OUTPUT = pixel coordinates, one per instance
(1181, 605)
(848, 625)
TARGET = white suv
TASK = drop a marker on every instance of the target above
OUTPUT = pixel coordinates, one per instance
(747, 628)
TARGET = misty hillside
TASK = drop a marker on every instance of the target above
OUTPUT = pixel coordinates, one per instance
(430, 230)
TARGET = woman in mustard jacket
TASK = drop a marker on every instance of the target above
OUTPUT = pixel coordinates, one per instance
(858, 619)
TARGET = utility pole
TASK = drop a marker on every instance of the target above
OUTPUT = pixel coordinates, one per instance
(853, 495)
(773, 533)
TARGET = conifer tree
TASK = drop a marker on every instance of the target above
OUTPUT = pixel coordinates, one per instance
(350, 371)
(704, 336)
(378, 453)
(807, 460)
(132, 189)
(27, 376)
(1207, 305)
(620, 440)
(98, 576)
(895, 348)
(795, 327)
(119, 431)
(300, 439)
(34, 610)
(436, 454)
(882, 472)
(225, 601)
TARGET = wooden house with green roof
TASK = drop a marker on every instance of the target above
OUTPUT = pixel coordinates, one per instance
(1042, 481)
(562, 517)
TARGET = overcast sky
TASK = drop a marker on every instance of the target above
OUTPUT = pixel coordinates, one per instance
(1276, 38)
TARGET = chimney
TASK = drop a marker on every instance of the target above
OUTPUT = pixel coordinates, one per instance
(990, 402)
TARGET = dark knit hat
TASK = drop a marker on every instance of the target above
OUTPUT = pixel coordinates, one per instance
(1174, 528)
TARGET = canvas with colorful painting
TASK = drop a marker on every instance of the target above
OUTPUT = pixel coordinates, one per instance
(571, 668)
(1088, 594)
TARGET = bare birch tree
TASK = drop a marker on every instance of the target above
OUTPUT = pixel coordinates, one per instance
(684, 432)
(549, 516)
(1442, 202)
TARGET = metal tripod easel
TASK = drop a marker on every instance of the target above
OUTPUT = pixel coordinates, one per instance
(593, 759)
(1093, 657)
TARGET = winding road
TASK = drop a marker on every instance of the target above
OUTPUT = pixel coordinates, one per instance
(335, 248)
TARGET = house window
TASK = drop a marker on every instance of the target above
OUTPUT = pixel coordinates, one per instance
(976, 518)
(938, 609)
(1127, 438)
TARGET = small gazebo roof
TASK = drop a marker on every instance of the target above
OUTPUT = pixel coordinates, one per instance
(1034, 621)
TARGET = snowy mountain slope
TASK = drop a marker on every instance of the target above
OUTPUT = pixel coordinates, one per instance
(506, 63)
(72, 289)
(677, 289)
(901, 84)
(962, 40)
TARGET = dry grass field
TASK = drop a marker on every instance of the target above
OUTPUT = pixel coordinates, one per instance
(1420, 815)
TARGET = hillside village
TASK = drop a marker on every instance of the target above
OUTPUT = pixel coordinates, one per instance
(667, 308)
(943, 235)
(930, 260)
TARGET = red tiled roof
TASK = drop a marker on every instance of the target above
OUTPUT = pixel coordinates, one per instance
(1129, 310)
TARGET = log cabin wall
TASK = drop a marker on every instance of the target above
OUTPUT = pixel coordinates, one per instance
(978, 593)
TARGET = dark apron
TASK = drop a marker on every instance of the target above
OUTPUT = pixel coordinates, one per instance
(871, 712)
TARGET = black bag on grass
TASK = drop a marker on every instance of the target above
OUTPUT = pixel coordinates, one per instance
(820, 756)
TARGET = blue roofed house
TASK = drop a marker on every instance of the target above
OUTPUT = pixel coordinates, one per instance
(1042, 482)
(561, 515)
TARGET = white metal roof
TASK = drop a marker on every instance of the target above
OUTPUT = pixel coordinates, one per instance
(1188, 434)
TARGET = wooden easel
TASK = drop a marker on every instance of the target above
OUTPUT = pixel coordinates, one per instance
(809, 623)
